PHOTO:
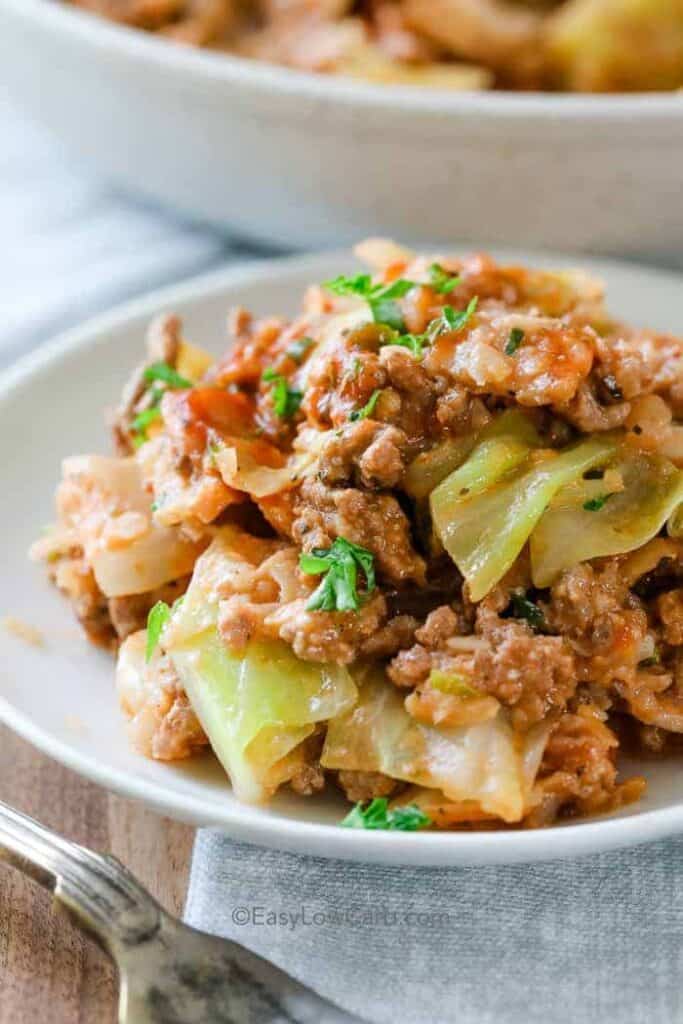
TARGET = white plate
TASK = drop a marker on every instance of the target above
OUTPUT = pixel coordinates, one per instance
(311, 160)
(61, 697)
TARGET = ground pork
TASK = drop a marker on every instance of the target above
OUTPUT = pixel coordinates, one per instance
(364, 786)
(670, 611)
(365, 452)
(605, 624)
(533, 675)
(375, 521)
(162, 724)
(546, 368)
(578, 772)
(327, 637)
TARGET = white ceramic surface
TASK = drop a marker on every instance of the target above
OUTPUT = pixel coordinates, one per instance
(60, 696)
(304, 160)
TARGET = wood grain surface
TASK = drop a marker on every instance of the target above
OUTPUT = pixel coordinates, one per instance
(50, 973)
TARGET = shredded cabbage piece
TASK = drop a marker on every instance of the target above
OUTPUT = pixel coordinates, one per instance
(105, 502)
(485, 511)
(257, 706)
(574, 530)
(485, 763)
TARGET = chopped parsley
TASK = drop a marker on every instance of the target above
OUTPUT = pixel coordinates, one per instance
(515, 339)
(381, 298)
(457, 684)
(522, 608)
(157, 618)
(143, 420)
(298, 349)
(441, 281)
(378, 815)
(454, 320)
(173, 380)
(368, 408)
(166, 373)
(595, 504)
(653, 660)
(338, 590)
(286, 400)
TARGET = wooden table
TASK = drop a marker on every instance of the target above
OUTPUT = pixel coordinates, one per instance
(50, 973)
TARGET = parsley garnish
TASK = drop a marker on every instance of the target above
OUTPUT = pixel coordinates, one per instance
(298, 349)
(286, 400)
(595, 504)
(166, 373)
(338, 591)
(454, 320)
(441, 281)
(381, 298)
(172, 379)
(143, 420)
(523, 608)
(368, 408)
(157, 618)
(378, 815)
(515, 339)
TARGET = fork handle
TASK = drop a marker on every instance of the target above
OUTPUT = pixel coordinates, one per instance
(98, 889)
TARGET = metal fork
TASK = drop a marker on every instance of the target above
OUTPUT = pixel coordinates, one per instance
(169, 973)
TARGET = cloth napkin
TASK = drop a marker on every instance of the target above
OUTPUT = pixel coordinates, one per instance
(573, 942)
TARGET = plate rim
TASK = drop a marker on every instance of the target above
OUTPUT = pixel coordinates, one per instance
(285, 833)
(205, 67)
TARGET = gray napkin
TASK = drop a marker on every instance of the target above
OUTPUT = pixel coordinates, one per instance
(595, 939)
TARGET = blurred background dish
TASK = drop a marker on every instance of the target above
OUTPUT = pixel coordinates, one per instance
(582, 45)
(295, 159)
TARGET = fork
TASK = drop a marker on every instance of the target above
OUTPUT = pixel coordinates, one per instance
(169, 973)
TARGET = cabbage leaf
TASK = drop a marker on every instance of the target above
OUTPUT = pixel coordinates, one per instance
(574, 530)
(485, 511)
(257, 706)
(486, 763)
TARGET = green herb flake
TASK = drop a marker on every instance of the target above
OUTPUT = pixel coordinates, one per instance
(368, 408)
(166, 374)
(338, 590)
(441, 281)
(286, 400)
(158, 616)
(298, 349)
(378, 815)
(522, 608)
(381, 298)
(457, 684)
(650, 662)
(515, 339)
(595, 504)
(455, 320)
(142, 421)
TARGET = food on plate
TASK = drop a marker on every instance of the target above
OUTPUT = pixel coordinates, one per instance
(575, 45)
(422, 542)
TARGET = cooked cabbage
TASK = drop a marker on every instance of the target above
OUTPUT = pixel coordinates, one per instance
(485, 763)
(485, 511)
(258, 706)
(260, 469)
(104, 501)
(569, 532)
